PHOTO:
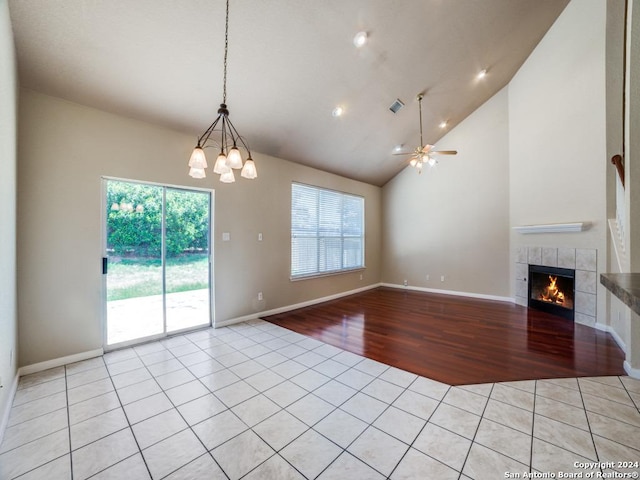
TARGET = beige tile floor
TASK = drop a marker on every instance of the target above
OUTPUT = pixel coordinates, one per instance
(256, 401)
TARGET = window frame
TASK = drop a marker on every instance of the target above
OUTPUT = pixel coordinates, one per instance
(318, 236)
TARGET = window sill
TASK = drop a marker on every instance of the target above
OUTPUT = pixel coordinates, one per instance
(326, 274)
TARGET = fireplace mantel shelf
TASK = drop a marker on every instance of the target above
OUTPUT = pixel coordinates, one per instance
(625, 286)
(553, 228)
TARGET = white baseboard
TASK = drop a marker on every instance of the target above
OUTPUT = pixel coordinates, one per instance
(451, 292)
(57, 362)
(614, 334)
(4, 419)
(632, 372)
(275, 311)
(35, 368)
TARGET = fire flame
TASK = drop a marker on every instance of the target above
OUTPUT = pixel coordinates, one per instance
(551, 293)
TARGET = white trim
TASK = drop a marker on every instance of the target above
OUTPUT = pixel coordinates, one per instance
(4, 420)
(618, 244)
(632, 372)
(609, 329)
(275, 311)
(57, 362)
(553, 228)
(451, 292)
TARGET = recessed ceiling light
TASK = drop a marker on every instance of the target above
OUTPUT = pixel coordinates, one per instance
(443, 124)
(338, 111)
(482, 73)
(360, 39)
(397, 148)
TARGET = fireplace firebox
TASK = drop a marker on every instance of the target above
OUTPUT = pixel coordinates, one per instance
(552, 290)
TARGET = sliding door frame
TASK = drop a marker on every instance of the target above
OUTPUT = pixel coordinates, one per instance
(104, 209)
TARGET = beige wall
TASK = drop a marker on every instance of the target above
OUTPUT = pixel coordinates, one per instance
(545, 131)
(453, 220)
(557, 136)
(66, 148)
(8, 304)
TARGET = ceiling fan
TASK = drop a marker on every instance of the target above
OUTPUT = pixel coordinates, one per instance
(424, 153)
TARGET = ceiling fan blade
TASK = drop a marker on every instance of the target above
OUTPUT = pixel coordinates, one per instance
(427, 148)
(403, 153)
(445, 152)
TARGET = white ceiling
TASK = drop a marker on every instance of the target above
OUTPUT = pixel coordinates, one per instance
(290, 63)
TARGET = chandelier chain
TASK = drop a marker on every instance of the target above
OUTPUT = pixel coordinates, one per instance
(226, 50)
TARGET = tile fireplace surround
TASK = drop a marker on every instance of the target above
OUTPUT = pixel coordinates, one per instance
(582, 260)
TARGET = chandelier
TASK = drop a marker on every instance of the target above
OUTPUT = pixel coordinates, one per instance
(228, 138)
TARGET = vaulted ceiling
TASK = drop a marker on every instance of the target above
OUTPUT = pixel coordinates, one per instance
(291, 62)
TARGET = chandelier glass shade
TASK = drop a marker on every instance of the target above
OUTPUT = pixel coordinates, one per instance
(224, 138)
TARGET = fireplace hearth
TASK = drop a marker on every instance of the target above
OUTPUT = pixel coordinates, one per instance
(552, 290)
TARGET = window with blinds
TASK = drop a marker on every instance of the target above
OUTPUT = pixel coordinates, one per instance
(327, 231)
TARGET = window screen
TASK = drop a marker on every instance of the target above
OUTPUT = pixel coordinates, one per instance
(327, 231)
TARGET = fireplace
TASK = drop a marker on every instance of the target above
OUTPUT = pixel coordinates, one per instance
(552, 290)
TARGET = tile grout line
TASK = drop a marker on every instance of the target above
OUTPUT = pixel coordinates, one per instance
(345, 449)
(189, 427)
(66, 393)
(128, 426)
(473, 440)
(423, 427)
(281, 409)
(533, 424)
(308, 393)
(636, 404)
(145, 366)
(593, 443)
(212, 393)
(331, 377)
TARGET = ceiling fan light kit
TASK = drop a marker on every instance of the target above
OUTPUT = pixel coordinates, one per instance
(424, 153)
(229, 156)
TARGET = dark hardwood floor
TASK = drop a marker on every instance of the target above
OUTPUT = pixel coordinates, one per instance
(457, 340)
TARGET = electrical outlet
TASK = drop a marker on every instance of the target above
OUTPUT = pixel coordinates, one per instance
(427, 276)
(442, 278)
(360, 277)
(406, 283)
(260, 296)
(260, 237)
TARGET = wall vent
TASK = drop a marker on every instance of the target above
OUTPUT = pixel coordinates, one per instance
(395, 106)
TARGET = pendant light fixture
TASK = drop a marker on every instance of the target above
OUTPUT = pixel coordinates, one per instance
(228, 138)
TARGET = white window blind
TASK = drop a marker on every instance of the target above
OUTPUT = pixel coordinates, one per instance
(327, 231)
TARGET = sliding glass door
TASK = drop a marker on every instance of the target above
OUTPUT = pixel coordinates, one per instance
(157, 261)
(187, 259)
